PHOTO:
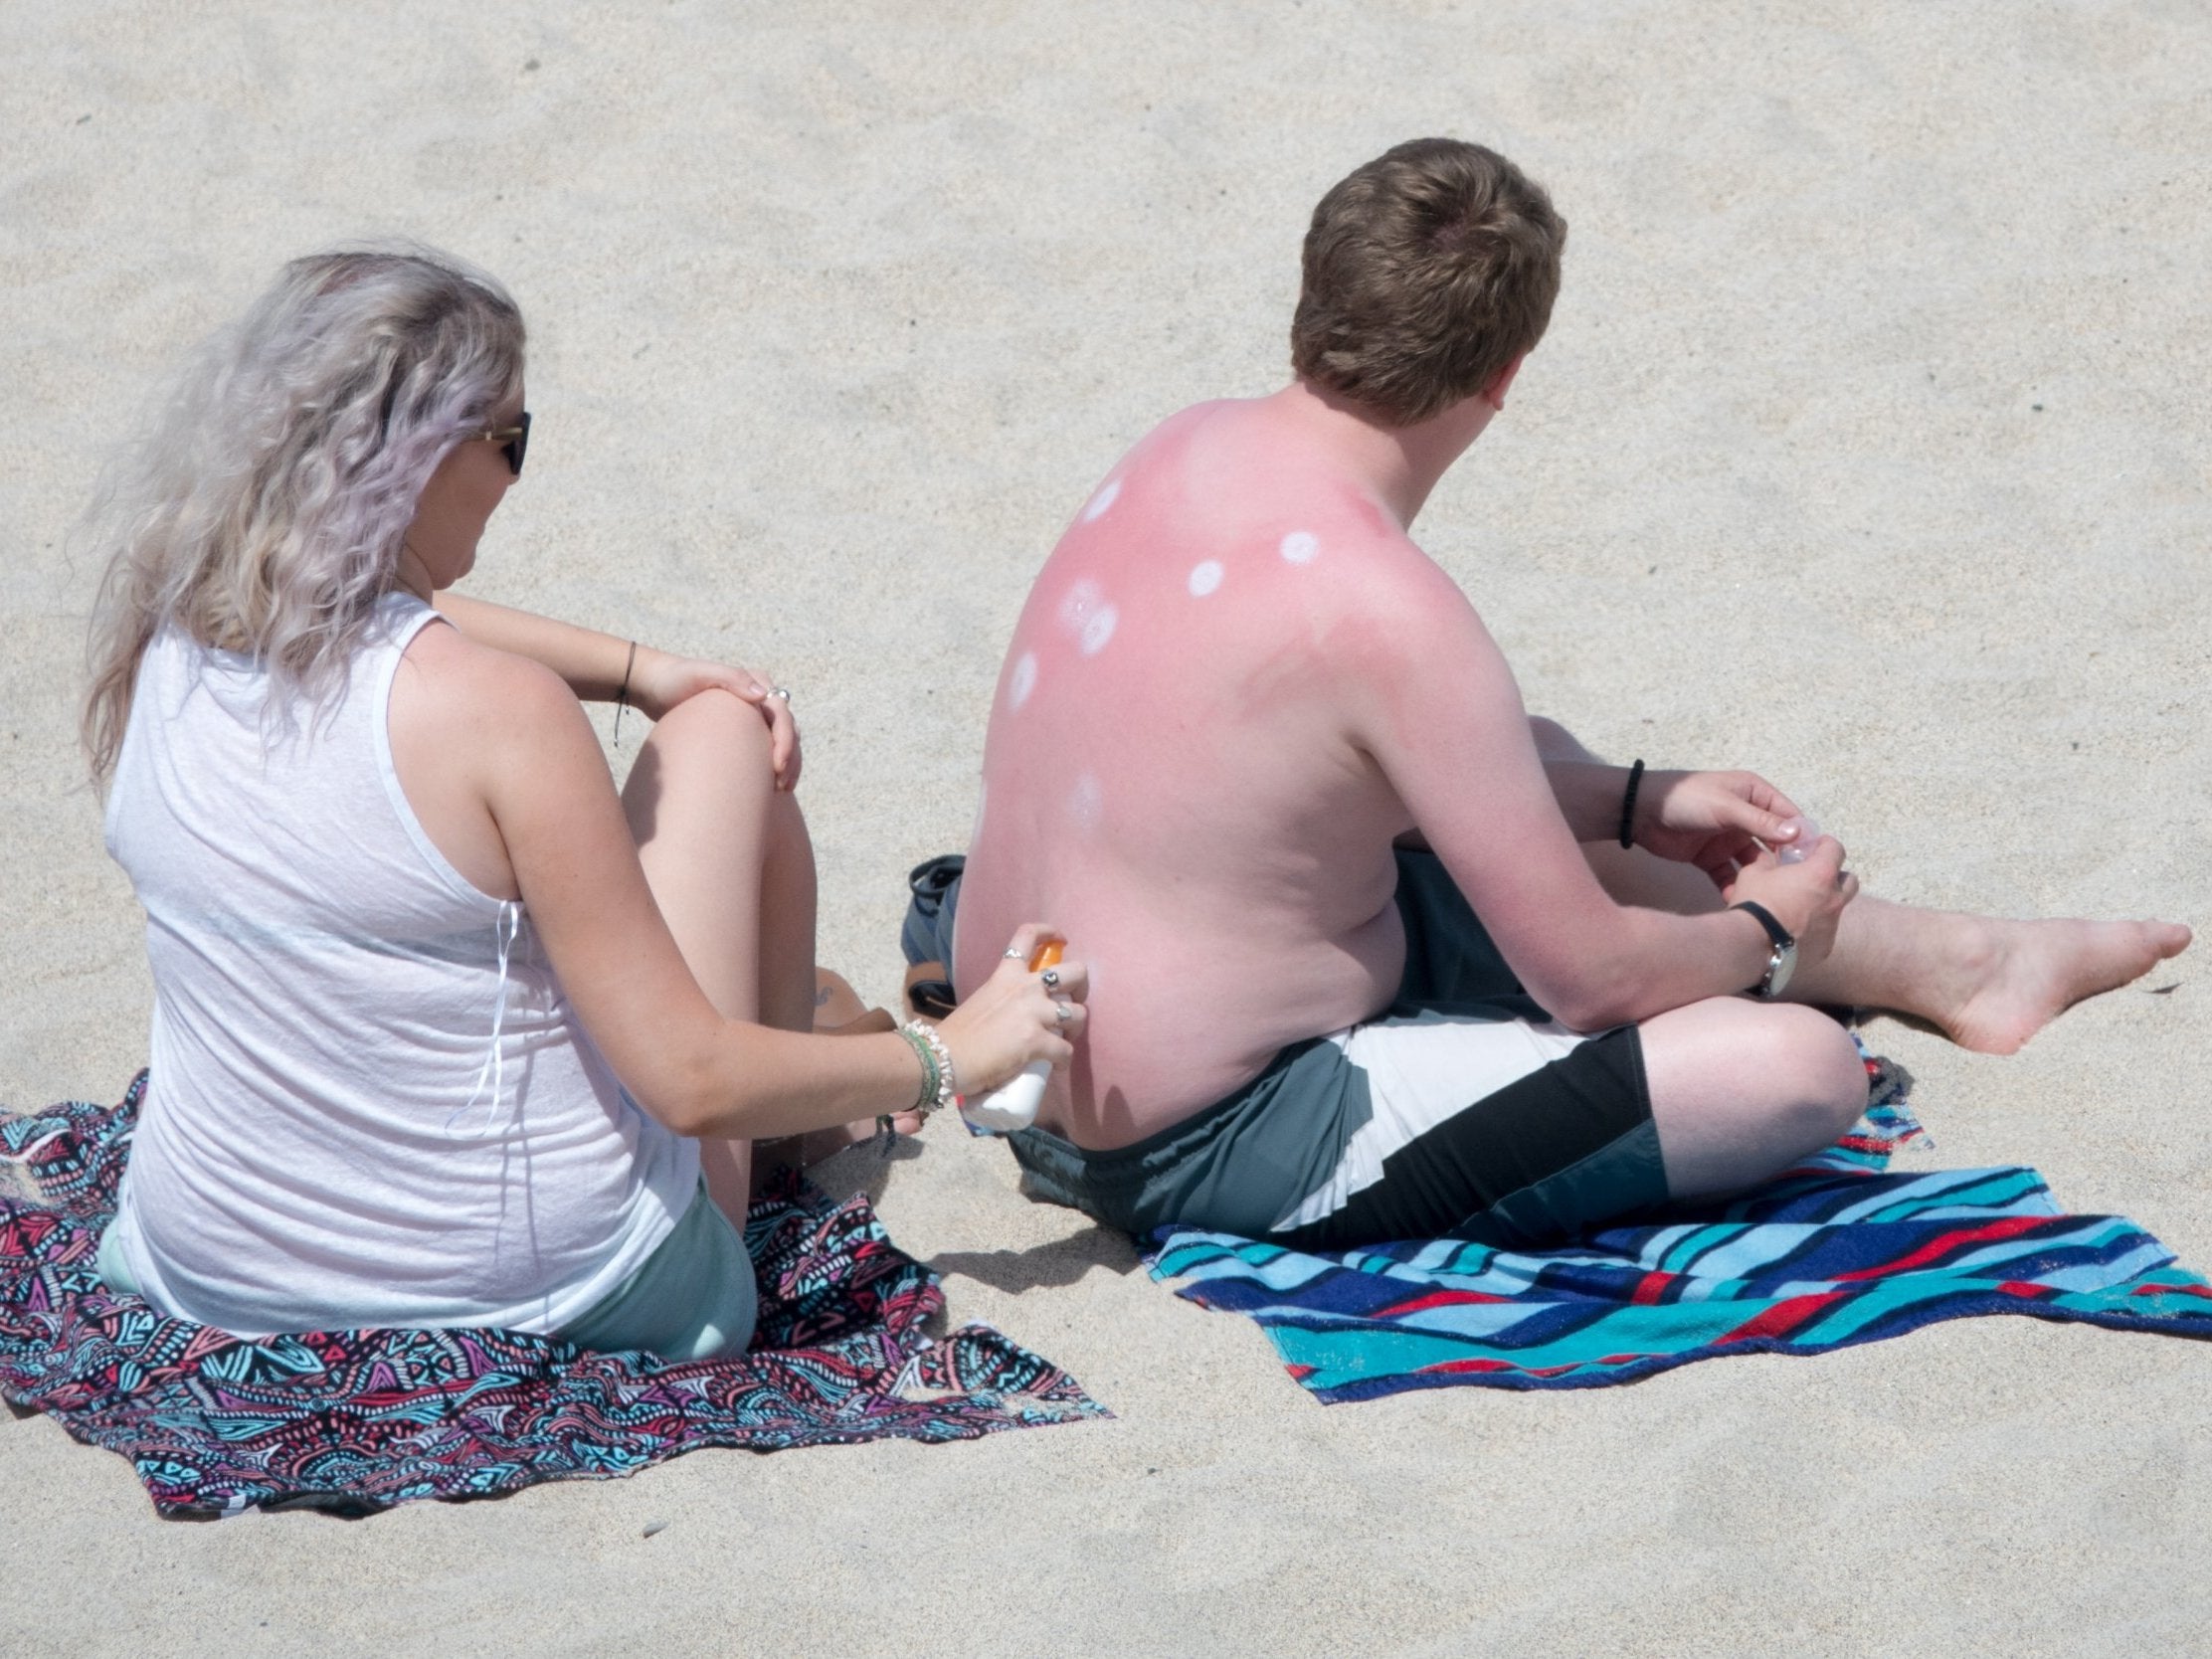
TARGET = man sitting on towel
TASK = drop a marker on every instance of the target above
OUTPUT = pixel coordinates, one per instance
(1371, 953)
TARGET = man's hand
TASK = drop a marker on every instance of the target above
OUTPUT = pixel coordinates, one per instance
(1716, 821)
(659, 682)
(1808, 898)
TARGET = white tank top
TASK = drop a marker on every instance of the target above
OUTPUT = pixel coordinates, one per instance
(371, 1103)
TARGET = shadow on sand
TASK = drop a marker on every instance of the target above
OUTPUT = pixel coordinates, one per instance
(869, 1169)
(1061, 1262)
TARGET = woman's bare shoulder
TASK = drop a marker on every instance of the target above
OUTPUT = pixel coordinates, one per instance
(451, 683)
(484, 743)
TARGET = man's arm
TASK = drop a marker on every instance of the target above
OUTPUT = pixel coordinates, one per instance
(1589, 796)
(1431, 699)
(1717, 821)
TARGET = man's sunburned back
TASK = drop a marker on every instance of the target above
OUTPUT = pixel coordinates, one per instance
(1170, 778)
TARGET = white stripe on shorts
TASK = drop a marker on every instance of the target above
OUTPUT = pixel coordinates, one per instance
(1421, 1071)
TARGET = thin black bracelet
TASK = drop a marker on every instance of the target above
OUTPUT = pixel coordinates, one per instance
(621, 696)
(1629, 806)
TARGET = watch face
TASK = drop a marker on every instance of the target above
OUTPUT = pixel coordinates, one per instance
(1784, 963)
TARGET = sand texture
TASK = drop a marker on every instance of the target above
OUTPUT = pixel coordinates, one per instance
(1868, 447)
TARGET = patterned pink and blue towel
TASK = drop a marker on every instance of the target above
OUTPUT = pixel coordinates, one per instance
(358, 1420)
(1839, 1251)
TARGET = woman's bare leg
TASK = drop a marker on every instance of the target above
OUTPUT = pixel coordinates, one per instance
(732, 870)
(1988, 984)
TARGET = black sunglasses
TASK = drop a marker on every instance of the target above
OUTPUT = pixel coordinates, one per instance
(513, 441)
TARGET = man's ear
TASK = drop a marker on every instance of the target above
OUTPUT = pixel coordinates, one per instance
(1494, 394)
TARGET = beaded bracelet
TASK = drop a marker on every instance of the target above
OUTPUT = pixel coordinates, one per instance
(939, 1088)
(928, 1057)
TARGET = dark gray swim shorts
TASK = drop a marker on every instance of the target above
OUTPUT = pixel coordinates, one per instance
(1462, 1110)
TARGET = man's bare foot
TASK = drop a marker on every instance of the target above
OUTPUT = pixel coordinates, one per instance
(2005, 980)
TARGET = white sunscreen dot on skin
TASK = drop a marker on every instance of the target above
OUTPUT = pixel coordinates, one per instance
(1086, 613)
(1087, 803)
(1023, 681)
(975, 829)
(1085, 599)
(1102, 500)
(1099, 630)
(1301, 546)
(1205, 578)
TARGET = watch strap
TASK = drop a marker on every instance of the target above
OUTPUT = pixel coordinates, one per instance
(1782, 936)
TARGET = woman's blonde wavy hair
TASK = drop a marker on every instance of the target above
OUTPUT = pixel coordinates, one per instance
(263, 509)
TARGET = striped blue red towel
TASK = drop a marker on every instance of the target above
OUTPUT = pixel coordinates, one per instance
(1841, 1250)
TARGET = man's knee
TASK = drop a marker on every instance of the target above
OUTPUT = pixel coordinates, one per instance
(1817, 1076)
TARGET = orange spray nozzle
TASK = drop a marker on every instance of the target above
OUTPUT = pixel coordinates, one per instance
(1047, 955)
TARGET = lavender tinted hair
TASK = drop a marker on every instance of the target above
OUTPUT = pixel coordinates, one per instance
(263, 509)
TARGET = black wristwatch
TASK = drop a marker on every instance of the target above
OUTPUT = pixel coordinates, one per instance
(1782, 963)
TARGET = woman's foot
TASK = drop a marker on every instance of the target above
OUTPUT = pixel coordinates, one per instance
(2001, 981)
(836, 1003)
(839, 1011)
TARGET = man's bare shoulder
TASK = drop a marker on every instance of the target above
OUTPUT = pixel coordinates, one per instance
(1317, 526)
(1373, 595)
(1231, 550)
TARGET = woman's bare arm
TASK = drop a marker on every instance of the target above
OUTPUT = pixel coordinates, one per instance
(590, 661)
(545, 783)
(596, 666)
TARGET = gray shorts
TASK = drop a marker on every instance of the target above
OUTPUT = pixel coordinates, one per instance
(693, 1298)
(1462, 1110)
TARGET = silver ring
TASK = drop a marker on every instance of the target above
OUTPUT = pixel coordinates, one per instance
(1015, 956)
(1051, 978)
(783, 691)
(1063, 1012)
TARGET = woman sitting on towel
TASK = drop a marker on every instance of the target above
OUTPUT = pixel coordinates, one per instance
(445, 1031)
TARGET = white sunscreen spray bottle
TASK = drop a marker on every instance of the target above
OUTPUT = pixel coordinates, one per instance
(1013, 1104)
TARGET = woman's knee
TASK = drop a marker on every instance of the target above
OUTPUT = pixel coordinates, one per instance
(715, 743)
(714, 725)
(705, 763)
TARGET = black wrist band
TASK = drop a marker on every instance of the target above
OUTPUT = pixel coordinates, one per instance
(1629, 806)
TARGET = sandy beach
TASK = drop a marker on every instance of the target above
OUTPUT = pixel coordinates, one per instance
(1868, 447)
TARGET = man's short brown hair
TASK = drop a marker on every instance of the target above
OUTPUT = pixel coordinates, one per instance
(1428, 272)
